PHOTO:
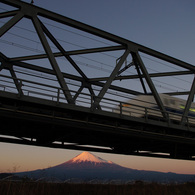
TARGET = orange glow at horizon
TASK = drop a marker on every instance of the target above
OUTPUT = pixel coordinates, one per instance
(18, 158)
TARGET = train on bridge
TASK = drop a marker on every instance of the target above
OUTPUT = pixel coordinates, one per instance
(145, 105)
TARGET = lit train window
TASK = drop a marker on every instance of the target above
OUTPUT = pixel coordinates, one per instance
(191, 109)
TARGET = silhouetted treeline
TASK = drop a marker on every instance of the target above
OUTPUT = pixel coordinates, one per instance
(140, 188)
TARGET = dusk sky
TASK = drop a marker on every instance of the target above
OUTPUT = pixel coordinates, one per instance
(166, 26)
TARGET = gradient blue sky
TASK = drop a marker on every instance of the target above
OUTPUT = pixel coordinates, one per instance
(166, 26)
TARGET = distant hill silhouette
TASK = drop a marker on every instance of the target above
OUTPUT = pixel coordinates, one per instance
(87, 167)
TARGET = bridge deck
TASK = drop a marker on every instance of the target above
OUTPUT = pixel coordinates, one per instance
(34, 121)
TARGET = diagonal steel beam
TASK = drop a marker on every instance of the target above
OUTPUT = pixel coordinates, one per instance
(3, 61)
(56, 43)
(78, 92)
(17, 83)
(3, 57)
(188, 103)
(52, 38)
(8, 14)
(110, 79)
(52, 60)
(5, 64)
(140, 77)
(137, 58)
(11, 23)
(93, 96)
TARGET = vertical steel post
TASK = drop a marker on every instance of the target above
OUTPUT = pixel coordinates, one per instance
(58, 96)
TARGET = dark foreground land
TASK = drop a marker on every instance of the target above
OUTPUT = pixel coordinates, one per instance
(34, 188)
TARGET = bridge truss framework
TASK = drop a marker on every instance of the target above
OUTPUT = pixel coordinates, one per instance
(50, 111)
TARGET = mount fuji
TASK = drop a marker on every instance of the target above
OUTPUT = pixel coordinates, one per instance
(87, 167)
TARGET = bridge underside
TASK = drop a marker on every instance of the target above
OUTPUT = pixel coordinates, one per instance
(40, 123)
(61, 80)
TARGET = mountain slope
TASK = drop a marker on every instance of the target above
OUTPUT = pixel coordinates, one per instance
(87, 166)
(88, 161)
(84, 166)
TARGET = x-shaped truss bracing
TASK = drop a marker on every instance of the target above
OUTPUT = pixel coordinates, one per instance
(125, 51)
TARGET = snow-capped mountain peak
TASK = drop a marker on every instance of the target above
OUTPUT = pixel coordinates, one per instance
(87, 166)
(88, 157)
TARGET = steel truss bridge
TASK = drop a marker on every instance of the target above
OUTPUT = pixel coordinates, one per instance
(61, 79)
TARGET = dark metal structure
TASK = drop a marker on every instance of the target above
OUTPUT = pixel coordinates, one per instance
(53, 103)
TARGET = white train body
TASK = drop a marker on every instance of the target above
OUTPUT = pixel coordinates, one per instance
(145, 105)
